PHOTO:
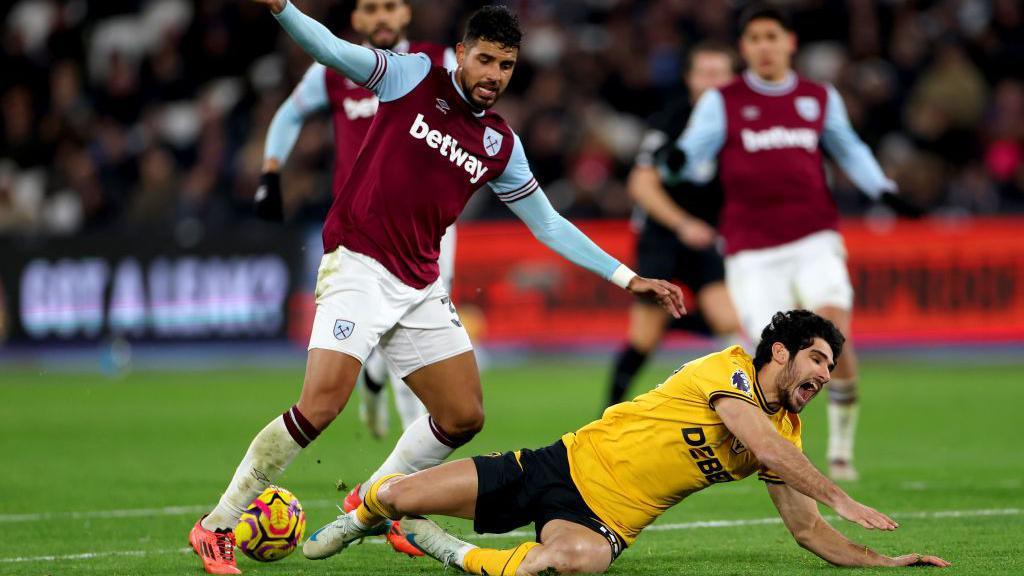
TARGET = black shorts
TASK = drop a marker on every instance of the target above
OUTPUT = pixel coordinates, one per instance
(660, 254)
(537, 488)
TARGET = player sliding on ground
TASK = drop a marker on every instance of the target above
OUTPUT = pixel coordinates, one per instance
(719, 418)
(432, 144)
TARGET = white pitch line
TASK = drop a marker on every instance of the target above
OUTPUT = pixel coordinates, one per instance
(129, 513)
(940, 514)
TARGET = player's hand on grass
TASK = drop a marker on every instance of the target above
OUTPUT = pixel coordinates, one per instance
(274, 5)
(696, 233)
(267, 203)
(918, 560)
(667, 294)
(866, 516)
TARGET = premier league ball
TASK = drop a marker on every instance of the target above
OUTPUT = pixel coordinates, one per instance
(272, 526)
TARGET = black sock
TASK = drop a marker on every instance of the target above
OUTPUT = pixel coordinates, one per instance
(372, 385)
(629, 362)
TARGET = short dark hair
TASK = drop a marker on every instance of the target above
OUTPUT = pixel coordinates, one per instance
(797, 330)
(712, 47)
(759, 11)
(495, 24)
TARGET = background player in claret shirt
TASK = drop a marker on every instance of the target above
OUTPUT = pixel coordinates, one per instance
(779, 220)
(677, 238)
(382, 25)
(719, 418)
(432, 144)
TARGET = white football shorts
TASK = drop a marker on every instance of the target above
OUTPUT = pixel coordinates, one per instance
(808, 273)
(360, 304)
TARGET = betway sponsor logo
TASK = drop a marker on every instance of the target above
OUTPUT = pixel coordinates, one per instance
(777, 137)
(448, 147)
(361, 108)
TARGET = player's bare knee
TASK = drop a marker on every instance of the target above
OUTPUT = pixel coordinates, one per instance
(573, 557)
(394, 494)
(320, 413)
(464, 424)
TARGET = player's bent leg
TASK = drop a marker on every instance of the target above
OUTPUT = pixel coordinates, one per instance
(330, 378)
(449, 489)
(568, 548)
(842, 405)
(647, 325)
(716, 306)
(451, 391)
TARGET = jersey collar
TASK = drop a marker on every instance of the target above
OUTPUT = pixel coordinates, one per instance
(458, 89)
(760, 397)
(762, 86)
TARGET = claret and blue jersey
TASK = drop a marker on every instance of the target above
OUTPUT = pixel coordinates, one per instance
(426, 153)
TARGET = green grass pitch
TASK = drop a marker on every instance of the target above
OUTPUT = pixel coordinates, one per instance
(106, 476)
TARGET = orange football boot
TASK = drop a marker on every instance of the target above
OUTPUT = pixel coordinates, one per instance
(217, 549)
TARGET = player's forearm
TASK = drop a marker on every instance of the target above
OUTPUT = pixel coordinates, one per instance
(355, 62)
(797, 471)
(557, 233)
(645, 188)
(281, 136)
(828, 544)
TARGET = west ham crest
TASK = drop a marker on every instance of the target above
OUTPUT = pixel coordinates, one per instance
(492, 141)
(343, 329)
(808, 108)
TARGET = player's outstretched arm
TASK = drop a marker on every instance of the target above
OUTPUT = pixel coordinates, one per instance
(856, 159)
(753, 429)
(354, 61)
(557, 233)
(519, 190)
(309, 96)
(812, 532)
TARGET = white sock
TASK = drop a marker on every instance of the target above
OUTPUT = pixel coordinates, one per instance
(460, 554)
(842, 425)
(268, 455)
(410, 409)
(376, 367)
(417, 449)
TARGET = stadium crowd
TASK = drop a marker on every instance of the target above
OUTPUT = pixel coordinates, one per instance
(153, 113)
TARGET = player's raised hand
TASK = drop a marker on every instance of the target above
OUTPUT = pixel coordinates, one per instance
(274, 5)
(866, 516)
(668, 295)
(919, 560)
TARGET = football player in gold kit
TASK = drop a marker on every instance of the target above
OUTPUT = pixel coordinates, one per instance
(719, 418)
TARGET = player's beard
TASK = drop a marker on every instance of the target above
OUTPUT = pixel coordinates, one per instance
(391, 41)
(790, 384)
(469, 92)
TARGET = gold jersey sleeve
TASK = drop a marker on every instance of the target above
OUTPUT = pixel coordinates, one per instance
(644, 456)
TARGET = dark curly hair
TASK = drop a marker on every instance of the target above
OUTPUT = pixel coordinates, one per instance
(796, 330)
(495, 24)
(759, 11)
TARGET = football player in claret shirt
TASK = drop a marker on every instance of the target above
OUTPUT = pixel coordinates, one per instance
(767, 131)
(718, 419)
(676, 235)
(382, 24)
(432, 144)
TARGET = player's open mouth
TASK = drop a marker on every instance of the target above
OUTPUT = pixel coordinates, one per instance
(806, 391)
